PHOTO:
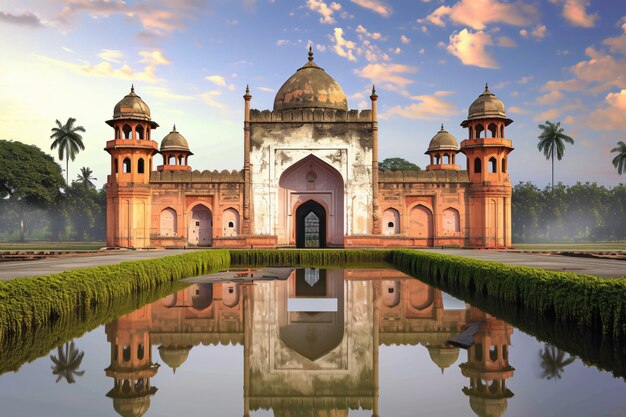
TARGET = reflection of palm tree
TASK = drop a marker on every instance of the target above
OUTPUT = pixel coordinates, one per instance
(553, 362)
(68, 362)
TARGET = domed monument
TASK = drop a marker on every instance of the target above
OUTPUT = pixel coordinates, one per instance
(310, 178)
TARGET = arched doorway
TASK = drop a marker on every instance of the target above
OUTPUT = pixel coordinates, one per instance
(311, 225)
(200, 226)
(421, 224)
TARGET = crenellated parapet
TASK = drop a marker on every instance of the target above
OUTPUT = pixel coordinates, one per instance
(408, 176)
(225, 176)
(310, 115)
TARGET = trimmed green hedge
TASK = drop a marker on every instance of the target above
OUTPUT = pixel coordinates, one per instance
(309, 257)
(586, 300)
(31, 303)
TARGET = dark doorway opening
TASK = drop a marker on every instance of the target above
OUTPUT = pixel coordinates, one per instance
(311, 225)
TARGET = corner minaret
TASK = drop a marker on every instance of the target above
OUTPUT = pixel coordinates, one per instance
(490, 189)
(247, 197)
(128, 193)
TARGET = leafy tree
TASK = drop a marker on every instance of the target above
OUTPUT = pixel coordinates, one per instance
(67, 363)
(68, 140)
(397, 164)
(553, 362)
(619, 162)
(82, 208)
(85, 177)
(29, 179)
(552, 140)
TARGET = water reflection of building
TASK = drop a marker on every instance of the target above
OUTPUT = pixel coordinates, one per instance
(310, 342)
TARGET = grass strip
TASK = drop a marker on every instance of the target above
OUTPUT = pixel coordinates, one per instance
(309, 257)
(589, 301)
(27, 304)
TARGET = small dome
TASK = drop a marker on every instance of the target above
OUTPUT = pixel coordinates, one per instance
(174, 356)
(488, 407)
(131, 407)
(443, 141)
(131, 107)
(174, 141)
(310, 87)
(485, 106)
(443, 356)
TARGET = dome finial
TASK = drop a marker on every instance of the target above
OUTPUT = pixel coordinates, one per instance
(442, 126)
(247, 89)
(310, 53)
(132, 88)
(174, 128)
(486, 87)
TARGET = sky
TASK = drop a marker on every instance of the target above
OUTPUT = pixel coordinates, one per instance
(190, 60)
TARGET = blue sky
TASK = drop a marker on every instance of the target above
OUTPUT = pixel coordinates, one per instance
(190, 60)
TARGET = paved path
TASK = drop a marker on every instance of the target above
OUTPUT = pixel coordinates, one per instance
(600, 267)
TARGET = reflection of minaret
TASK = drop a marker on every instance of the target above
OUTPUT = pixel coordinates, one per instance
(131, 363)
(488, 367)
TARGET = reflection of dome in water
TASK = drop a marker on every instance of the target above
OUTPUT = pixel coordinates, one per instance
(174, 356)
(443, 356)
(131, 407)
(488, 407)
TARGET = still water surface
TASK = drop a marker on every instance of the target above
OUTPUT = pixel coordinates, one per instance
(323, 343)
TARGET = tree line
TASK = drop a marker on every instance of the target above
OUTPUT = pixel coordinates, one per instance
(584, 211)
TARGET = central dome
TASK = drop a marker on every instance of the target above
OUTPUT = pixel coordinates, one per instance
(310, 87)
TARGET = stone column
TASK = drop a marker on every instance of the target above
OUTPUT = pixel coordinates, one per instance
(375, 208)
(247, 197)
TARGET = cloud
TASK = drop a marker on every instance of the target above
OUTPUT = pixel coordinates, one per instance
(375, 6)
(575, 12)
(539, 32)
(282, 42)
(554, 113)
(343, 47)
(209, 98)
(219, 81)
(405, 39)
(110, 55)
(389, 76)
(266, 89)
(617, 43)
(24, 19)
(611, 116)
(525, 79)
(376, 35)
(151, 59)
(325, 10)
(517, 110)
(469, 47)
(428, 107)
(476, 14)
(550, 98)
(506, 42)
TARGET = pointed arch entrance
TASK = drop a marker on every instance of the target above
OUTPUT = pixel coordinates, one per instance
(200, 230)
(311, 225)
(310, 187)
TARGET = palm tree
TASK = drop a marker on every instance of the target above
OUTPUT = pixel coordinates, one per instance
(68, 362)
(68, 140)
(85, 177)
(553, 362)
(553, 139)
(619, 162)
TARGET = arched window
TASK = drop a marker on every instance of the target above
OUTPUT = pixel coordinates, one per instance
(180, 160)
(391, 220)
(437, 159)
(126, 166)
(140, 351)
(493, 165)
(230, 220)
(478, 166)
(140, 166)
(126, 353)
(501, 131)
(127, 131)
(479, 130)
(115, 165)
(493, 129)
(168, 222)
(503, 164)
(451, 221)
(117, 132)
(493, 353)
(446, 158)
(139, 131)
(171, 160)
(471, 133)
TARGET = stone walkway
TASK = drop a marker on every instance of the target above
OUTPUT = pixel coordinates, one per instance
(599, 267)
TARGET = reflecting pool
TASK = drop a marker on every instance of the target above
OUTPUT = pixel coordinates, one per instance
(323, 343)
